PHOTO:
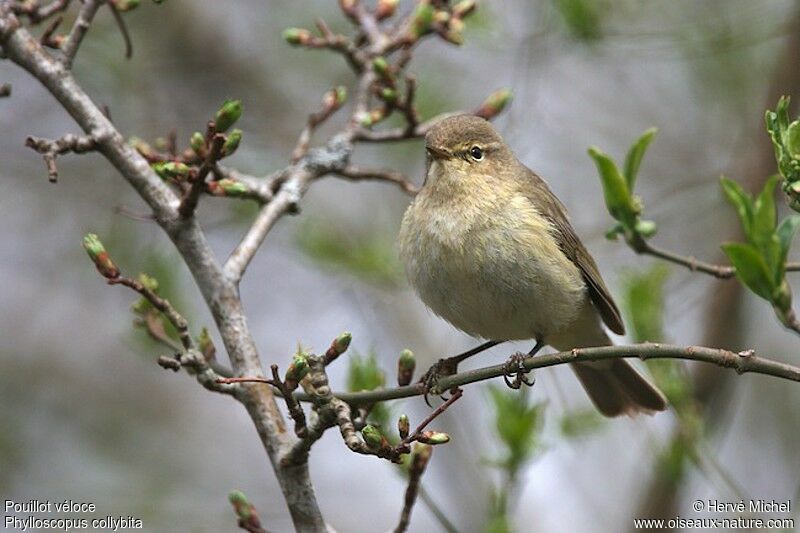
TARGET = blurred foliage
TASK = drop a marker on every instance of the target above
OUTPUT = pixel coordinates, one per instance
(582, 19)
(618, 187)
(643, 302)
(761, 261)
(518, 425)
(364, 374)
(643, 306)
(368, 256)
(581, 423)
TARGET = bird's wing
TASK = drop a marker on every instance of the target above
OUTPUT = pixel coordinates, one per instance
(536, 189)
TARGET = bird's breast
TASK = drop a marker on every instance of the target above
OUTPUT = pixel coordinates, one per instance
(489, 265)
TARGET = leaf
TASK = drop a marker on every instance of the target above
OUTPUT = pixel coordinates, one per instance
(615, 191)
(518, 426)
(635, 155)
(741, 201)
(764, 217)
(643, 303)
(785, 233)
(792, 140)
(751, 269)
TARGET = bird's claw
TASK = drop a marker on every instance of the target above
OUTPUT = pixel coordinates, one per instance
(514, 368)
(430, 379)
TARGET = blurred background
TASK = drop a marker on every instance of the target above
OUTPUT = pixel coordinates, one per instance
(88, 415)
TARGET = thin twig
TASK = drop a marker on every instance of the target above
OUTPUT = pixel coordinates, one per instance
(162, 304)
(356, 173)
(419, 462)
(78, 31)
(123, 29)
(718, 271)
(198, 183)
(285, 200)
(430, 418)
(743, 362)
(36, 13)
(49, 149)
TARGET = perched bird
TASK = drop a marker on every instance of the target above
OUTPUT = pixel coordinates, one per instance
(489, 248)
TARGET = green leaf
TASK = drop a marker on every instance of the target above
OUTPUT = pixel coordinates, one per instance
(792, 140)
(751, 268)
(741, 201)
(518, 425)
(615, 190)
(764, 216)
(785, 234)
(635, 155)
(643, 303)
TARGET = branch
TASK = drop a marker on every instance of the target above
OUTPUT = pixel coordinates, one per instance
(37, 13)
(742, 362)
(198, 183)
(162, 304)
(641, 246)
(123, 29)
(419, 462)
(78, 31)
(49, 149)
(356, 173)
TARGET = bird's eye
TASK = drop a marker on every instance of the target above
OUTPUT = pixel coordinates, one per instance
(476, 153)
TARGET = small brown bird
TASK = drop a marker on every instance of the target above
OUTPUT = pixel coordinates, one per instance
(490, 249)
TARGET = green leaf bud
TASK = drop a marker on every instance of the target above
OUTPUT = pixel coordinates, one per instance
(232, 142)
(100, 257)
(198, 143)
(297, 370)
(646, 228)
(372, 436)
(227, 115)
(494, 104)
(433, 437)
(403, 426)
(406, 364)
(296, 36)
(421, 20)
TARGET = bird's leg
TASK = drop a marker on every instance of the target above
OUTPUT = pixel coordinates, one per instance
(515, 368)
(448, 367)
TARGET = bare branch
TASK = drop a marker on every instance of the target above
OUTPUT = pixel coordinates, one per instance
(79, 29)
(356, 173)
(285, 200)
(641, 246)
(37, 13)
(742, 362)
(51, 148)
(419, 462)
(123, 29)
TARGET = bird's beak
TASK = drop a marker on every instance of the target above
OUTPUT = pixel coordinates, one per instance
(438, 153)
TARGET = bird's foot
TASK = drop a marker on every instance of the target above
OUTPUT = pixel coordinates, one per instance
(514, 368)
(430, 380)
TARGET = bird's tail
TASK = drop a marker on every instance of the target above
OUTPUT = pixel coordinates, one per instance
(617, 388)
(614, 385)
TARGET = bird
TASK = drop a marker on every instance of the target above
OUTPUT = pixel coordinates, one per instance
(488, 247)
